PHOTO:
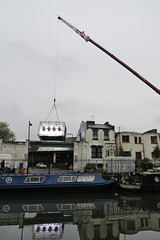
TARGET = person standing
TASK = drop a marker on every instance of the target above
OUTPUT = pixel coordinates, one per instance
(3, 164)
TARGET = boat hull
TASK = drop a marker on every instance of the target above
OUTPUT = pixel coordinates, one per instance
(130, 187)
(56, 182)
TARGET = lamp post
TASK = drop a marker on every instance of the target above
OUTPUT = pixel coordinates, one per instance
(29, 126)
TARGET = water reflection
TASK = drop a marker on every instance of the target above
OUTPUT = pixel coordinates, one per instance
(89, 216)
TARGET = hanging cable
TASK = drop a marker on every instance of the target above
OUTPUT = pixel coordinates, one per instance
(49, 113)
(55, 82)
(53, 107)
(56, 109)
(56, 59)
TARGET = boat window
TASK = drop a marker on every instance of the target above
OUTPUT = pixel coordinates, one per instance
(59, 129)
(85, 206)
(43, 128)
(32, 207)
(67, 179)
(85, 178)
(49, 128)
(54, 129)
(34, 180)
(66, 206)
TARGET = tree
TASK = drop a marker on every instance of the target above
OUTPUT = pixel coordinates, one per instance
(124, 153)
(156, 152)
(145, 164)
(90, 167)
(5, 132)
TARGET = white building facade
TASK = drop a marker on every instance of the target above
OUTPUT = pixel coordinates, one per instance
(14, 152)
(94, 143)
(138, 145)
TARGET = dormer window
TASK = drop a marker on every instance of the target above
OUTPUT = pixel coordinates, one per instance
(95, 133)
(106, 134)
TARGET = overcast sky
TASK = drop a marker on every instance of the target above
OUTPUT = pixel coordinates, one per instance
(86, 83)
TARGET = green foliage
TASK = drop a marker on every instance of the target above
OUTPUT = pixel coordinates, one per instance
(90, 167)
(123, 153)
(120, 151)
(145, 164)
(156, 152)
(5, 132)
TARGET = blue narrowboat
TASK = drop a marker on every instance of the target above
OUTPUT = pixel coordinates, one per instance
(63, 181)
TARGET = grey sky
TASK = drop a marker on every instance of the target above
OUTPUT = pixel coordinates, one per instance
(88, 82)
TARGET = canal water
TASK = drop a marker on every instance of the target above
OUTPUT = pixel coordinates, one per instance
(114, 215)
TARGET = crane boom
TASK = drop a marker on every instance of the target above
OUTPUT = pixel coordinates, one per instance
(88, 39)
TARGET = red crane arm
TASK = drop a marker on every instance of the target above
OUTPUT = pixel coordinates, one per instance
(88, 39)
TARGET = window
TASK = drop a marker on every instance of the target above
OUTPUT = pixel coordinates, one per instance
(96, 151)
(131, 225)
(127, 153)
(67, 179)
(66, 206)
(159, 222)
(32, 207)
(137, 140)
(34, 180)
(144, 222)
(154, 140)
(85, 178)
(95, 134)
(138, 155)
(107, 153)
(106, 134)
(85, 206)
(110, 231)
(125, 138)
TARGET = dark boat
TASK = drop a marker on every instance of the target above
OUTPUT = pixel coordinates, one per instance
(63, 181)
(140, 181)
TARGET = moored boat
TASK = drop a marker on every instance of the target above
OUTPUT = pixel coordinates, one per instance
(140, 181)
(63, 181)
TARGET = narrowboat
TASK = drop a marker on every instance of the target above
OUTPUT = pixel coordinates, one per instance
(63, 181)
(140, 181)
